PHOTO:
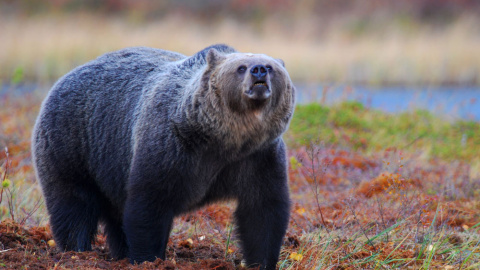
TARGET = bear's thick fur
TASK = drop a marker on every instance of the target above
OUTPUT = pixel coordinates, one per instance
(141, 135)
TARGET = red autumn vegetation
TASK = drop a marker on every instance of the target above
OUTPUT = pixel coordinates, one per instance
(351, 210)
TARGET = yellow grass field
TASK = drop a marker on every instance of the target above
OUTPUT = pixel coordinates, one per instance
(45, 47)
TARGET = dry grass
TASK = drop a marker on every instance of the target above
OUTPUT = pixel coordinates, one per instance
(44, 48)
(389, 209)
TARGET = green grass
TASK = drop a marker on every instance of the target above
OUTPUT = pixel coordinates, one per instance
(350, 124)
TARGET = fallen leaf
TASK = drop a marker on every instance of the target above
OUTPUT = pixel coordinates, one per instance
(296, 256)
(187, 243)
(300, 211)
(51, 243)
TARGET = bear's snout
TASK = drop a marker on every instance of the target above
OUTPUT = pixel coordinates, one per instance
(259, 72)
(259, 89)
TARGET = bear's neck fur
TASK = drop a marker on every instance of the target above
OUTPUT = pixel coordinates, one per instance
(204, 120)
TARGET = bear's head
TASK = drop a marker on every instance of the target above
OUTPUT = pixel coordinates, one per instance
(249, 82)
(251, 97)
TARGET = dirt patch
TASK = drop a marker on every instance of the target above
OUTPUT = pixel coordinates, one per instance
(22, 248)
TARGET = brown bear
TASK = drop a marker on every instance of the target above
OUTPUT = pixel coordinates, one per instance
(139, 136)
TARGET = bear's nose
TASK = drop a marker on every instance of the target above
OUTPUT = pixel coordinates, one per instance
(259, 71)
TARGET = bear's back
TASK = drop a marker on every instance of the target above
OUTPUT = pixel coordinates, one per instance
(87, 122)
(89, 114)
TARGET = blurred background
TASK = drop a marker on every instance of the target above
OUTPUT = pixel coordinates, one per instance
(388, 94)
(390, 55)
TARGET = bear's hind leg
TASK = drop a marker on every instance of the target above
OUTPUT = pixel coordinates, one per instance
(73, 218)
(116, 239)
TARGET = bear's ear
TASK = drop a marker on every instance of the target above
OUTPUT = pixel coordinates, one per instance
(281, 62)
(214, 58)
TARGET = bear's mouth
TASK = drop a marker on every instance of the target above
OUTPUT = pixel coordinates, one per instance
(259, 91)
(260, 83)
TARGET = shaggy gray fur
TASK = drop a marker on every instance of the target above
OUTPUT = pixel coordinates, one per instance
(141, 135)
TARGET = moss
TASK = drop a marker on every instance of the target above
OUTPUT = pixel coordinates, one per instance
(350, 124)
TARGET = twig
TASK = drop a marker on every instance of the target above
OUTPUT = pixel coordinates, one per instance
(380, 209)
(361, 227)
(414, 140)
(312, 156)
(4, 174)
(10, 203)
(419, 221)
(29, 214)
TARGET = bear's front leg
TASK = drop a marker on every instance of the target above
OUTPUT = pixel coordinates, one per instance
(147, 224)
(263, 206)
(154, 197)
(146, 229)
(262, 226)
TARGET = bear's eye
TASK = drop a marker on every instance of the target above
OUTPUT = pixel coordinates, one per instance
(269, 68)
(242, 69)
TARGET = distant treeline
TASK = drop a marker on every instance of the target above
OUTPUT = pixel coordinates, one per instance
(436, 11)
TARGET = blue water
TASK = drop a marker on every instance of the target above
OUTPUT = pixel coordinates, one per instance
(451, 102)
